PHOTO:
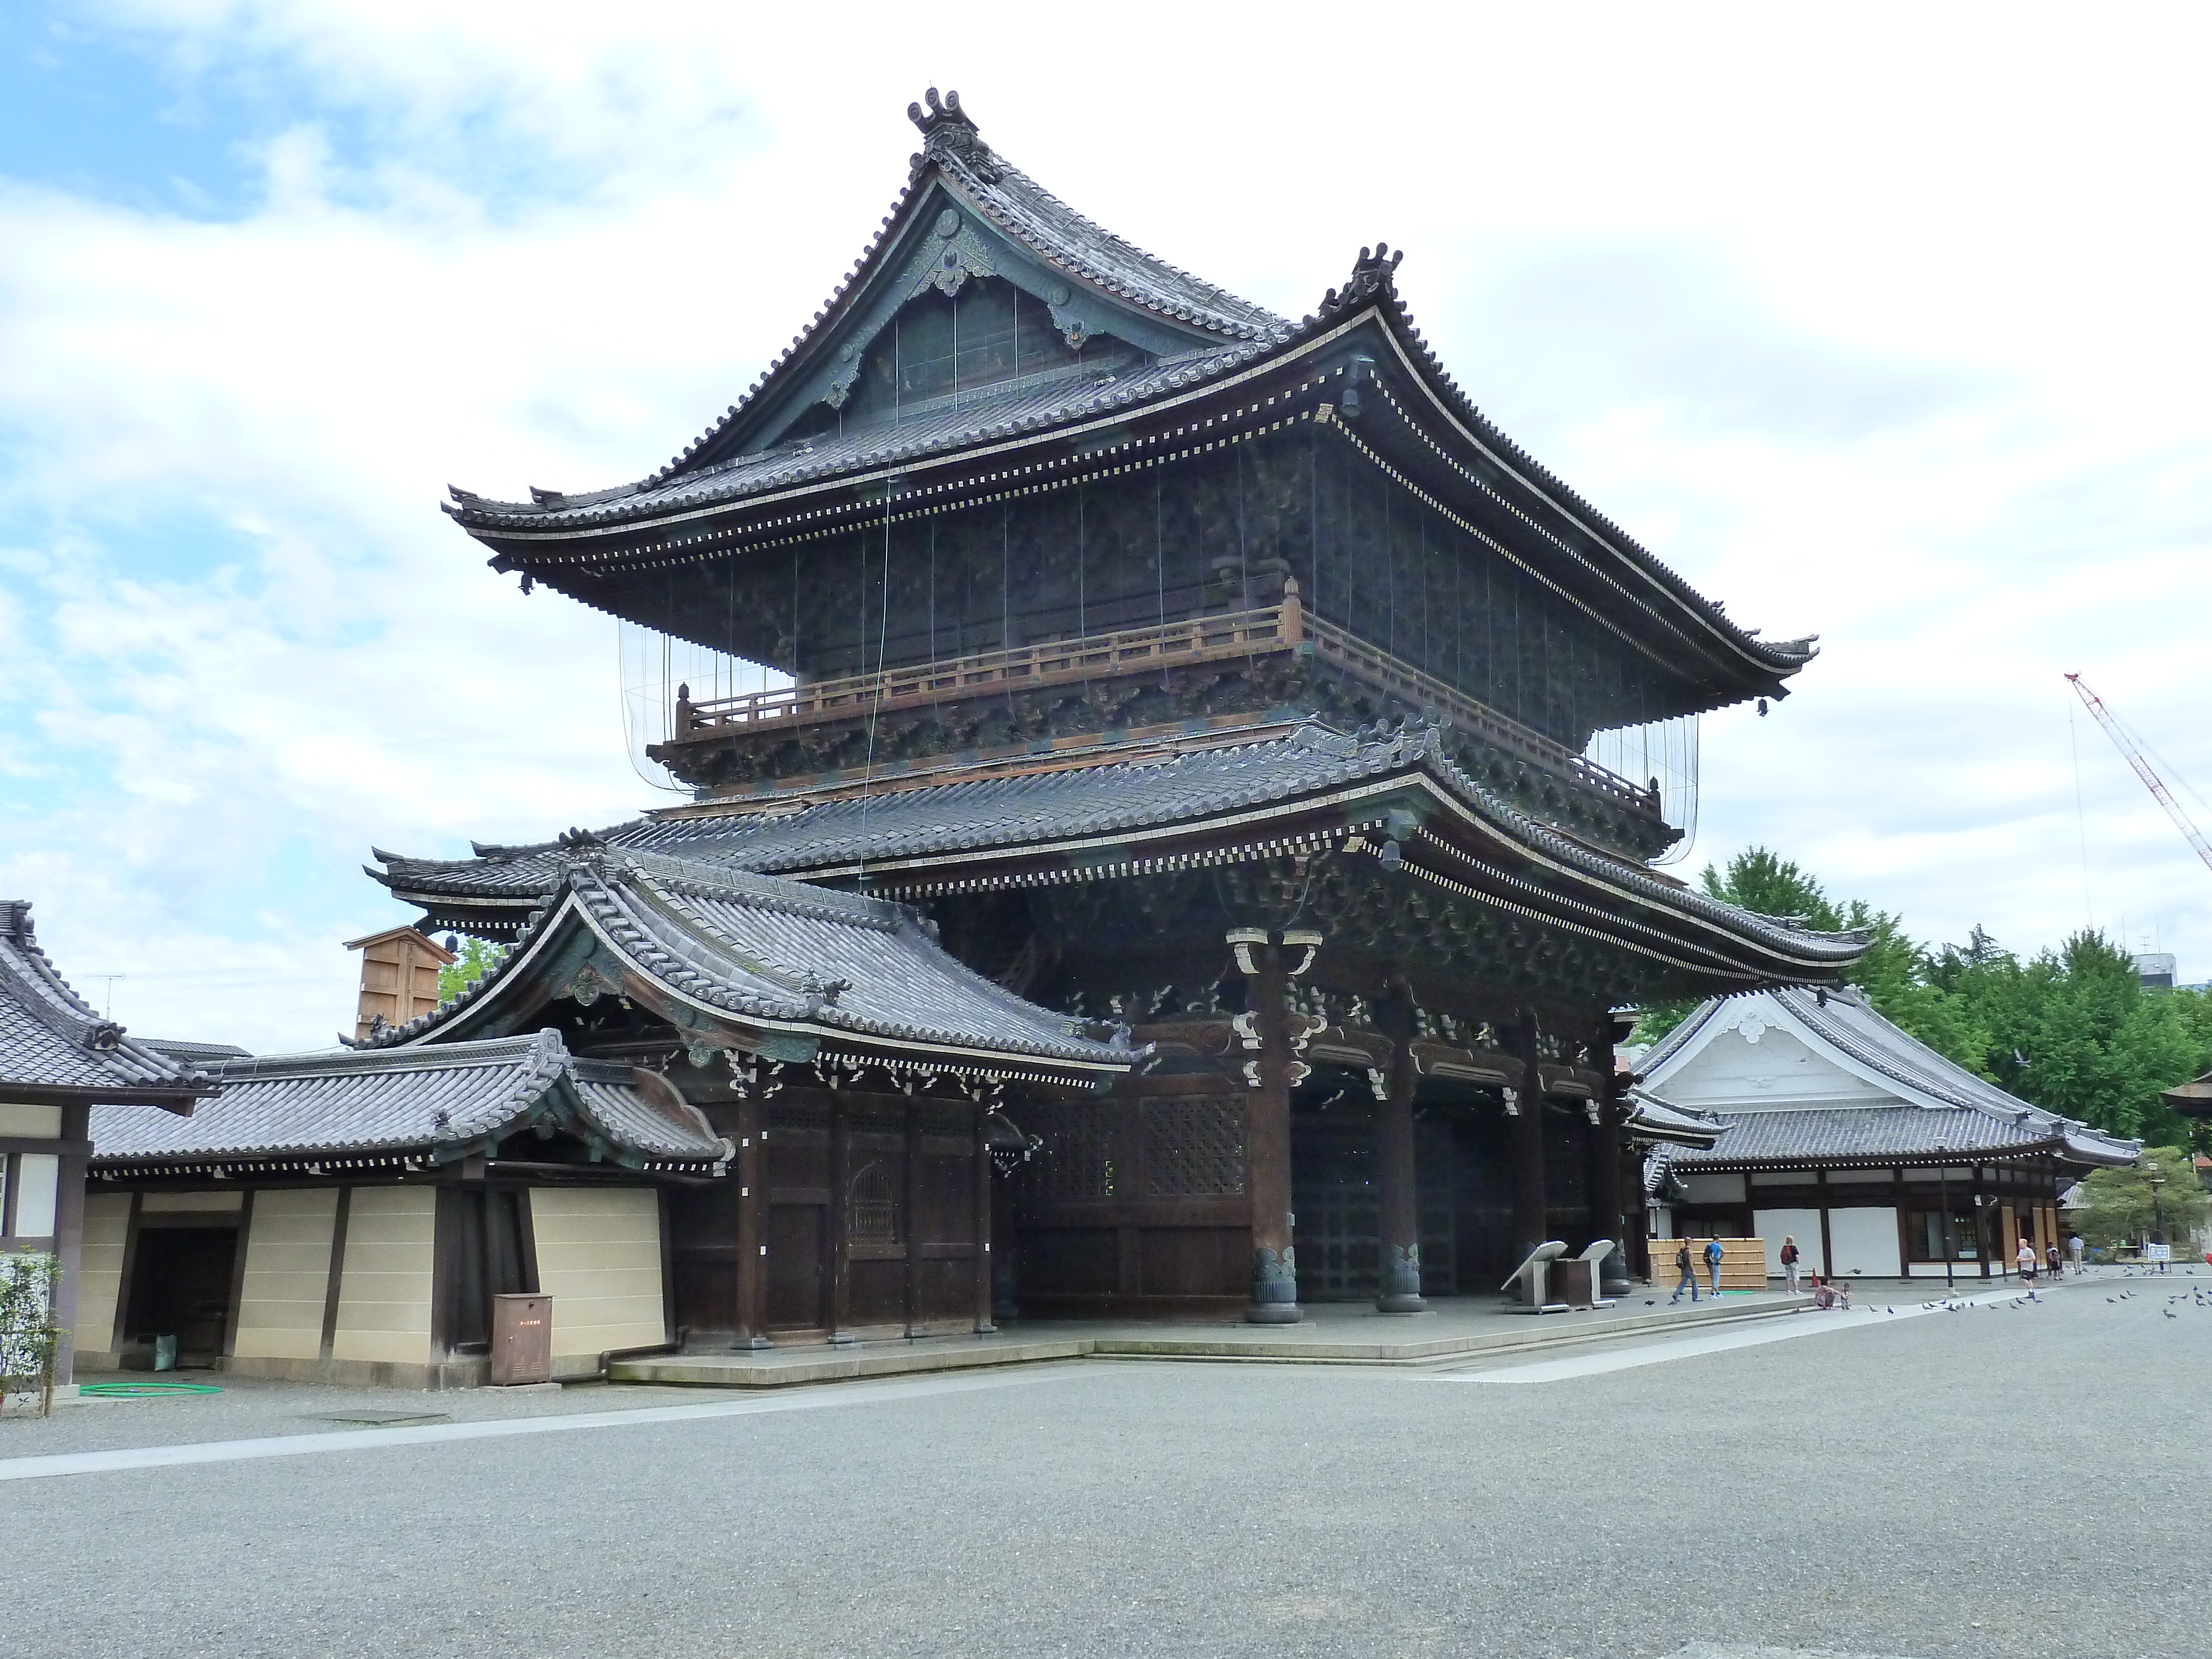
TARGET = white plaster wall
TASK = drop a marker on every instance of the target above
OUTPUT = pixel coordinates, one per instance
(287, 1274)
(384, 1296)
(1865, 1242)
(38, 1178)
(1704, 1189)
(1773, 1225)
(1732, 1074)
(599, 1258)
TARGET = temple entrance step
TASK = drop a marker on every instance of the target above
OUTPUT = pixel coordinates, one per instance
(1342, 1335)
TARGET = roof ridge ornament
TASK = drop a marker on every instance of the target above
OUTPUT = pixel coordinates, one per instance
(1373, 272)
(948, 134)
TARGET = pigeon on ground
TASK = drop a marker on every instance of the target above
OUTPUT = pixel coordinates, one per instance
(2110, 1299)
(1889, 1310)
(1650, 1301)
(2169, 1313)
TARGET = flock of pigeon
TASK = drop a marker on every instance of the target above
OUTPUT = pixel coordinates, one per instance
(2193, 1296)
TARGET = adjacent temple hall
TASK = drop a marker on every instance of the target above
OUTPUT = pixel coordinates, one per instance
(1156, 866)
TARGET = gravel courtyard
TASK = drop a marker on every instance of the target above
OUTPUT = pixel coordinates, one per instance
(2005, 1480)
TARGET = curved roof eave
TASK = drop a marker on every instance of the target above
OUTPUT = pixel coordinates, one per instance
(805, 1015)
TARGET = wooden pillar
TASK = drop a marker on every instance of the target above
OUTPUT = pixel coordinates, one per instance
(1601, 1174)
(1398, 1287)
(1828, 1252)
(69, 1234)
(841, 1263)
(1266, 1027)
(751, 1320)
(910, 1217)
(981, 1229)
(1981, 1227)
(1526, 1104)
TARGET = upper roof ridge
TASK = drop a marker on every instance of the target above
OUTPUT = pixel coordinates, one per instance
(949, 133)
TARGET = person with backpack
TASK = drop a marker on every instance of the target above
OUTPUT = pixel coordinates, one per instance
(1689, 1274)
(1789, 1262)
(1713, 1262)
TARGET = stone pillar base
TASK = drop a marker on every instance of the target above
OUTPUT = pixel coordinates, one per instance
(1273, 1313)
(1400, 1304)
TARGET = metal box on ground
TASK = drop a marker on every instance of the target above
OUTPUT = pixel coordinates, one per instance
(521, 1339)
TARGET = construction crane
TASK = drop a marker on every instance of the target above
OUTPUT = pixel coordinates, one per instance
(2128, 746)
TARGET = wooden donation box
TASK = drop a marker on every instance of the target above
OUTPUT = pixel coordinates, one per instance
(1572, 1282)
(521, 1340)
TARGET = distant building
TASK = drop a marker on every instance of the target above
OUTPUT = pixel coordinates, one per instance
(1881, 1157)
(2157, 970)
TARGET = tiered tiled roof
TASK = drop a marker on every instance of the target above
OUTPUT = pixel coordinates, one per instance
(1035, 812)
(856, 972)
(426, 1105)
(54, 1046)
(1943, 1110)
(1224, 342)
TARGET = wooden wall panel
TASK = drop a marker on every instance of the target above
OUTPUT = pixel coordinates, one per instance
(1196, 1261)
(1070, 1262)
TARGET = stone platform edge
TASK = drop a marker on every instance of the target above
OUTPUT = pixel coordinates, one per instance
(797, 1368)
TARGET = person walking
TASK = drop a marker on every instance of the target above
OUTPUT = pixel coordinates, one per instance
(2050, 1259)
(1713, 1262)
(1789, 1262)
(2025, 1256)
(2074, 1249)
(1689, 1275)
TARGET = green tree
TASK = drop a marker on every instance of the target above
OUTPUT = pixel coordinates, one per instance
(2073, 1031)
(1893, 973)
(477, 956)
(2120, 1206)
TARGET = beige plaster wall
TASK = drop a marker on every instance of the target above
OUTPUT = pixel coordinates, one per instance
(287, 1274)
(99, 1272)
(17, 1119)
(599, 1258)
(384, 1296)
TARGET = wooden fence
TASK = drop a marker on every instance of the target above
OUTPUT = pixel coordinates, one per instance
(1743, 1263)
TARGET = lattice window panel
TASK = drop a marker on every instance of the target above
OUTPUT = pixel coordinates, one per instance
(1194, 1148)
(1077, 1160)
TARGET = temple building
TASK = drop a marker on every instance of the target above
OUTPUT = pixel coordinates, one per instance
(62, 1060)
(1200, 712)
(1881, 1157)
(350, 1216)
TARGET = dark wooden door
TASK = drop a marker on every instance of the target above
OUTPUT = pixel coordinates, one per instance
(797, 1267)
(180, 1286)
(1338, 1206)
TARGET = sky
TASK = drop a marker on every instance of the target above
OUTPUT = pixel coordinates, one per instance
(1886, 324)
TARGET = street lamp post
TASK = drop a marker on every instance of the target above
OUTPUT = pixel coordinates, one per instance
(1943, 1187)
(2157, 1210)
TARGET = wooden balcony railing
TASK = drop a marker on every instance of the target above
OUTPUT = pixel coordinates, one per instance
(1288, 627)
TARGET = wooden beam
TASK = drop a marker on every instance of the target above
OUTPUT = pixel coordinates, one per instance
(752, 1230)
(981, 1170)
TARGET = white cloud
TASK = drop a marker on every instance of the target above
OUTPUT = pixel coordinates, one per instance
(1890, 330)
